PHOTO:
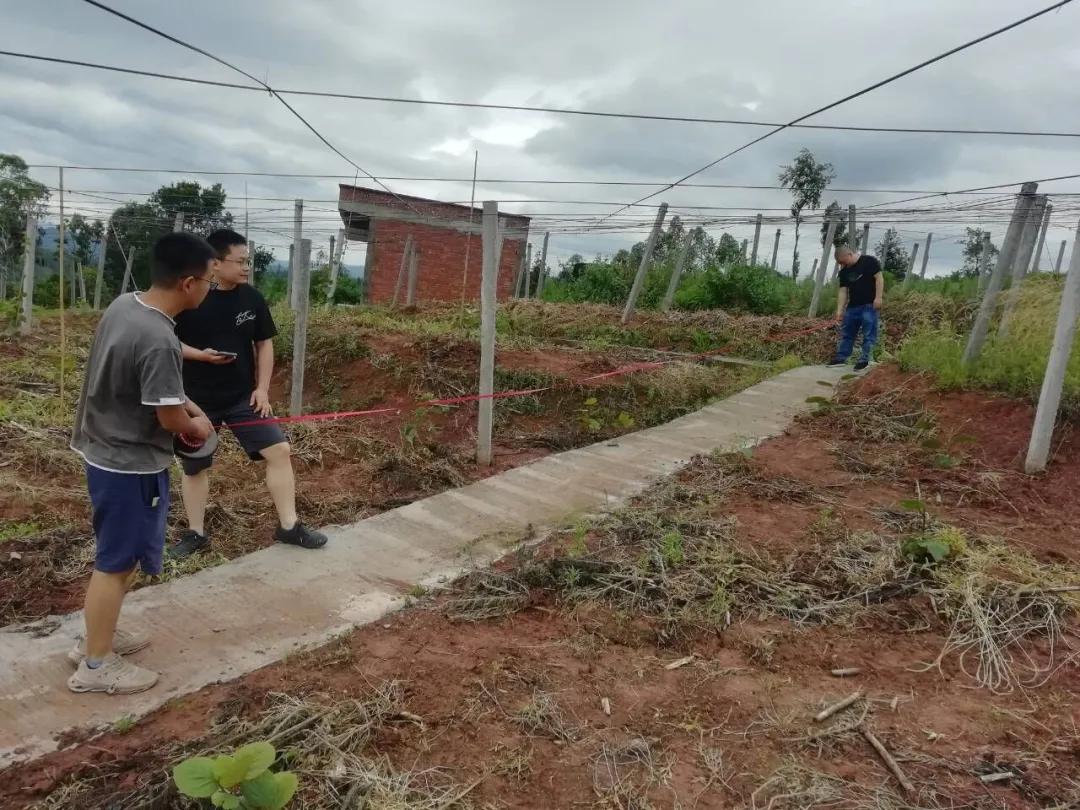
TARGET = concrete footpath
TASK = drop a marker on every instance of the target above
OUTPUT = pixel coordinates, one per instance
(223, 622)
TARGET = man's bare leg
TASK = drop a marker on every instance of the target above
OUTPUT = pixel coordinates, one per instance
(281, 482)
(195, 492)
(104, 596)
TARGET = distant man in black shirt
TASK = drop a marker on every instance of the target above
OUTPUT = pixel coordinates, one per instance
(861, 290)
(228, 362)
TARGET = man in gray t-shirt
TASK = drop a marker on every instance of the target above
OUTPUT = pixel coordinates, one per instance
(132, 403)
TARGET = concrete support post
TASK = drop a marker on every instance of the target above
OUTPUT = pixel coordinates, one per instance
(82, 283)
(414, 270)
(851, 227)
(757, 239)
(26, 321)
(926, 255)
(1042, 238)
(775, 249)
(909, 276)
(984, 262)
(336, 251)
(646, 262)
(127, 271)
(745, 242)
(864, 244)
(178, 222)
(1042, 431)
(302, 289)
(488, 290)
(1028, 237)
(819, 277)
(402, 269)
(294, 259)
(1061, 254)
(813, 270)
(543, 266)
(527, 280)
(676, 274)
(1006, 257)
(103, 248)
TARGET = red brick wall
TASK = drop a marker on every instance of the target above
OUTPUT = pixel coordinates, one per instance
(440, 265)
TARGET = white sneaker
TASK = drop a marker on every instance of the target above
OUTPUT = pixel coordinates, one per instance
(115, 676)
(125, 642)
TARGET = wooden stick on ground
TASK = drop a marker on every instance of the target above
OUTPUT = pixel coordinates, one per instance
(828, 712)
(887, 758)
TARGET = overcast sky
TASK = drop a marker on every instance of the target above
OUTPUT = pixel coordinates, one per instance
(771, 60)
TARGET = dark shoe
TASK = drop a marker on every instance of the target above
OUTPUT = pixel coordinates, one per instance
(300, 535)
(836, 363)
(861, 365)
(191, 542)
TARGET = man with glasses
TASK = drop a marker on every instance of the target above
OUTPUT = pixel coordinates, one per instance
(228, 362)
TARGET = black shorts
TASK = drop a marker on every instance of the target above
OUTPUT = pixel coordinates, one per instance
(252, 438)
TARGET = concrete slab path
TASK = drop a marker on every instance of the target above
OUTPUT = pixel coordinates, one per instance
(223, 622)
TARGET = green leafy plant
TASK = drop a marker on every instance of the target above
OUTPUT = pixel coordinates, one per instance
(945, 543)
(238, 781)
(672, 548)
(124, 724)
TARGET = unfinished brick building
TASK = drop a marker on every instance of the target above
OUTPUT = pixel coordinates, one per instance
(440, 232)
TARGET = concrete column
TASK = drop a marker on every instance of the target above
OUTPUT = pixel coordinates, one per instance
(813, 270)
(745, 242)
(405, 252)
(984, 262)
(757, 239)
(1042, 238)
(851, 226)
(1030, 234)
(178, 222)
(527, 278)
(1061, 253)
(414, 270)
(127, 271)
(676, 274)
(646, 262)
(294, 260)
(775, 249)
(1042, 431)
(488, 293)
(302, 290)
(819, 278)
(926, 255)
(909, 276)
(864, 245)
(82, 283)
(336, 251)
(1006, 258)
(103, 248)
(26, 322)
(543, 266)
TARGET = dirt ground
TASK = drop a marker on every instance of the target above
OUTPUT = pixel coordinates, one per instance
(674, 655)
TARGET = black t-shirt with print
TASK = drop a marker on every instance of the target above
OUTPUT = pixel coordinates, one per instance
(859, 279)
(229, 321)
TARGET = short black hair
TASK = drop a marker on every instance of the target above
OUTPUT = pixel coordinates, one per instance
(223, 239)
(177, 255)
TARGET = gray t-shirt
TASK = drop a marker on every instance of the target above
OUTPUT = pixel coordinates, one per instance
(134, 366)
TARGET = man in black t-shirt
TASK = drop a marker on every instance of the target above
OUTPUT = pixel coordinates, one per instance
(861, 290)
(228, 362)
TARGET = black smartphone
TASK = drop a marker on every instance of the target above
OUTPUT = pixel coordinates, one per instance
(224, 354)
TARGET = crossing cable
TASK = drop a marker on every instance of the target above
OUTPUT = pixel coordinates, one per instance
(847, 98)
(263, 85)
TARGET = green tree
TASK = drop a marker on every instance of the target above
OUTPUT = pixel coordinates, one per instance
(84, 235)
(807, 180)
(262, 259)
(203, 208)
(972, 242)
(834, 211)
(892, 254)
(20, 196)
(728, 250)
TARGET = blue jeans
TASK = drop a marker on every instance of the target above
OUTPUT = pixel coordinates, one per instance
(863, 317)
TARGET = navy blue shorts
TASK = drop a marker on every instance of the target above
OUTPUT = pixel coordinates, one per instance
(129, 519)
(252, 438)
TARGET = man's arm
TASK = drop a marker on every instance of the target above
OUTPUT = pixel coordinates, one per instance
(194, 410)
(879, 289)
(177, 419)
(205, 355)
(841, 302)
(264, 370)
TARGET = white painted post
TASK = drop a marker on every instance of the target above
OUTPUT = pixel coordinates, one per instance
(294, 260)
(1042, 238)
(488, 303)
(851, 227)
(302, 289)
(414, 269)
(1032, 223)
(813, 270)
(1006, 258)
(127, 271)
(82, 283)
(757, 238)
(909, 276)
(819, 278)
(984, 262)
(926, 255)
(178, 222)
(865, 244)
(103, 248)
(775, 249)
(676, 274)
(646, 262)
(543, 266)
(335, 264)
(401, 269)
(1061, 253)
(527, 281)
(744, 243)
(1042, 431)
(27, 320)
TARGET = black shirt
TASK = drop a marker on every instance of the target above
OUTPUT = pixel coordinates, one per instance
(229, 321)
(859, 279)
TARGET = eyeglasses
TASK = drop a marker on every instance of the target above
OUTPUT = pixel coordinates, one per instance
(212, 282)
(241, 262)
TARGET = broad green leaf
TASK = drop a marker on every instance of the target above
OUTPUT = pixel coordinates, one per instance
(224, 800)
(286, 786)
(590, 402)
(195, 777)
(256, 756)
(261, 791)
(625, 420)
(913, 505)
(936, 549)
(229, 771)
